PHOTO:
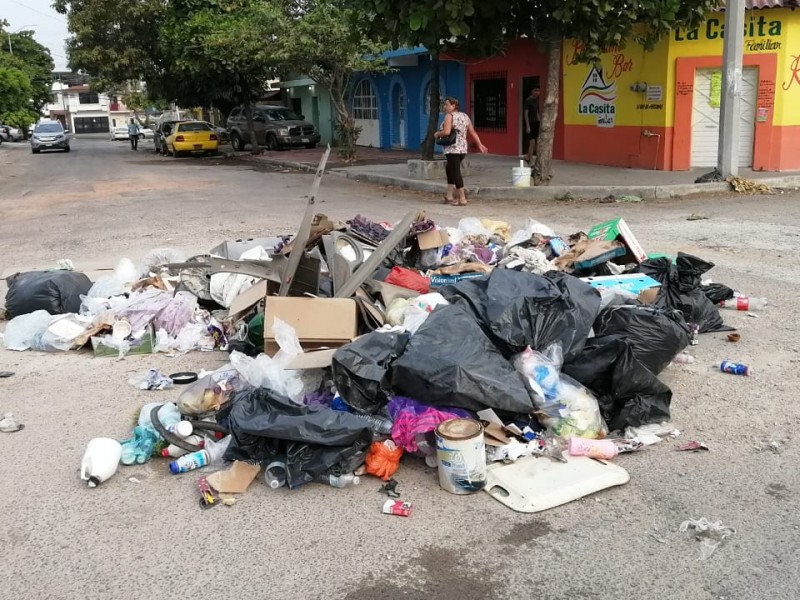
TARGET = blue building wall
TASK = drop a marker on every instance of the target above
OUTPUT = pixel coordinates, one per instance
(413, 81)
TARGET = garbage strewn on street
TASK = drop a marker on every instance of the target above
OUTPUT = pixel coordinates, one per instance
(515, 360)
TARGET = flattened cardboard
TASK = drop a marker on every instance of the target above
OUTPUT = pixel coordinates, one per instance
(319, 359)
(617, 229)
(235, 480)
(433, 239)
(318, 322)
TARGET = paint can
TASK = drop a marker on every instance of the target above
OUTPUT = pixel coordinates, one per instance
(521, 175)
(461, 456)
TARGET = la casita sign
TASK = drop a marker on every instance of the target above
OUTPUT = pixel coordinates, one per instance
(714, 28)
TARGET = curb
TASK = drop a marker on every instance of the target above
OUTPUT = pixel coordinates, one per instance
(678, 190)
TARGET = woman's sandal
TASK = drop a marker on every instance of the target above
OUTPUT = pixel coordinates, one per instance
(446, 200)
(458, 203)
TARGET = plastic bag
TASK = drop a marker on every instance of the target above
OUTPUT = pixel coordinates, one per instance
(419, 308)
(160, 256)
(57, 292)
(680, 290)
(153, 379)
(269, 373)
(413, 421)
(362, 369)
(383, 459)
(23, 331)
(395, 312)
(655, 335)
(211, 392)
(517, 310)
(409, 279)
(314, 439)
(143, 307)
(473, 226)
(63, 333)
(451, 362)
(177, 313)
(629, 393)
(225, 287)
(563, 406)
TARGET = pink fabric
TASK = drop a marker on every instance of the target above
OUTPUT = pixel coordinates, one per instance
(412, 418)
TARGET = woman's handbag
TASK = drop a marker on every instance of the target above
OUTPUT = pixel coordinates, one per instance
(448, 140)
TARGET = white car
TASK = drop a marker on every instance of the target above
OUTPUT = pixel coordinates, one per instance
(9, 133)
(146, 133)
(119, 133)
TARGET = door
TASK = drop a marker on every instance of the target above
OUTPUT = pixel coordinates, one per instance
(91, 125)
(315, 113)
(297, 106)
(365, 113)
(528, 83)
(398, 117)
(705, 117)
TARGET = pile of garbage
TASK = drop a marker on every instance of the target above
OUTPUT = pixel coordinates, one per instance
(478, 349)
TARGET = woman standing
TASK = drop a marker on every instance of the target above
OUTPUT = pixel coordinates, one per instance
(455, 152)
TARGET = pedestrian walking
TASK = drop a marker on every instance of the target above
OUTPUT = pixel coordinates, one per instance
(133, 134)
(456, 148)
(532, 119)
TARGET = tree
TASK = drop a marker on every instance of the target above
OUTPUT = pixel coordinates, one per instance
(325, 45)
(25, 78)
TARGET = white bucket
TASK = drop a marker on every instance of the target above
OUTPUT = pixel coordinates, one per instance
(461, 456)
(521, 176)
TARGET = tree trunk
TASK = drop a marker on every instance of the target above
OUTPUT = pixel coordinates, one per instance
(346, 129)
(433, 108)
(543, 170)
(251, 128)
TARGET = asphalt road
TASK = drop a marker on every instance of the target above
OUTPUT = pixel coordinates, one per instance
(142, 533)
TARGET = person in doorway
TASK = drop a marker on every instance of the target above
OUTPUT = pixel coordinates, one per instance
(455, 153)
(531, 117)
(133, 134)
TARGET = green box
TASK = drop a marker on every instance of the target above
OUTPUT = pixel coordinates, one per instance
(617, 229)
(142, 346)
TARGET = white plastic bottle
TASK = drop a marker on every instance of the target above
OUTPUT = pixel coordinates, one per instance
(339, 481)
(275, 474)
(744, 303)
(100, 461)
(174, 451)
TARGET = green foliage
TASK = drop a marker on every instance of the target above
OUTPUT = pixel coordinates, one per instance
(31, 62)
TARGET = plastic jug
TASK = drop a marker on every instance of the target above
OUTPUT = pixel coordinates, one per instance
(100, 461)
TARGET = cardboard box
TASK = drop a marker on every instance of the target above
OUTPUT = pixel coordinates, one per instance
(319, 322)
(141, 346)
(617, 229)
(433, 239)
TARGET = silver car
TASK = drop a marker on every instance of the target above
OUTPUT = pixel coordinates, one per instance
(49, 135)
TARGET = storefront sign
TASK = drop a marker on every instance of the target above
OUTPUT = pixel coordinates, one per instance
(763, 114)
(754, 27)
(655, 93)
(794, 74)
(598, 98)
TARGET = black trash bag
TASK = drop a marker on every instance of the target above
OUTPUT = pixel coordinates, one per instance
(629, 394)
(655, 334)
(314, 439)
(361, 369)
(449, 361)
(517, 310)
(680, 289)
(57, 292)
(717, 292)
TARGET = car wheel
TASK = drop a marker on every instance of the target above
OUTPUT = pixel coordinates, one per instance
(66, 149)
(311, 146)
(236, 142)
(271, 142)
(34, 151)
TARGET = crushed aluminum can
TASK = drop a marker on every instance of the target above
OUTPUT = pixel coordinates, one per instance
(397, 507)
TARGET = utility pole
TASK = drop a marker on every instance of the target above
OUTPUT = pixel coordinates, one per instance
(729, 121)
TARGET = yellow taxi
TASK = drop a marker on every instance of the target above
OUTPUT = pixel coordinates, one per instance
(195, 137)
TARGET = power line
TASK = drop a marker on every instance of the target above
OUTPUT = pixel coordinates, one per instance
(36, 10)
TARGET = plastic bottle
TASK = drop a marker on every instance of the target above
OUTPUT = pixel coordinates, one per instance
(275, 474)
(733, 368)
(174, 451)
(744, 303)
(211, 454)
(378, 424)
(592, 448)
(181, 429)
(100, 461)
(683, 358)
(339, 481)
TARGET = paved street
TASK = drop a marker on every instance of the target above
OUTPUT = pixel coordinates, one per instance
(147, 537)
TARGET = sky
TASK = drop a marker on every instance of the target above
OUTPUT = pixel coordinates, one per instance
(50, 28)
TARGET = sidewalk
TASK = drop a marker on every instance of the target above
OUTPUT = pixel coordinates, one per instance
(489, 176)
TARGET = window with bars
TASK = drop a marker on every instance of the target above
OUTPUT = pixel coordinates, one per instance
(489, 102)
(365, 103)
(88, 98)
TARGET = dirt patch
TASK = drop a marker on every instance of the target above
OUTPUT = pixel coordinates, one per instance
(778, 491)
(524, 533)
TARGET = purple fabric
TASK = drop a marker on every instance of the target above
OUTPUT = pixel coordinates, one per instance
(412, 418)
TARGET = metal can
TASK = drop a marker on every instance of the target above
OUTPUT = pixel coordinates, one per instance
(461, 456)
